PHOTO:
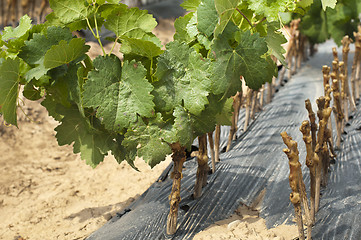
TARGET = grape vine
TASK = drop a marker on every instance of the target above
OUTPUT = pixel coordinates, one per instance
(332, 21)
(152, 102)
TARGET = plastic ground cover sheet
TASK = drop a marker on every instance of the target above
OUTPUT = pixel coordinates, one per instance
(255, 172)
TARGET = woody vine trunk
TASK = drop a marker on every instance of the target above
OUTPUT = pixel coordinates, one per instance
(254, 105)
(337, 107)
(248, 108)
(311, 158)
(203, 168)
(323, 115)
(217, 137)
(312, 117)
(345, 50)
(178, 157)
(237, 100)
(355, 66)
(295, 196)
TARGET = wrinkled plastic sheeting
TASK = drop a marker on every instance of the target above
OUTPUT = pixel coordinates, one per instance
(255, 172)
(339, 216)
(165, 8)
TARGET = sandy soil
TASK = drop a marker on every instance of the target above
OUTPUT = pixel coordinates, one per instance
(47, 192)
(245, 224)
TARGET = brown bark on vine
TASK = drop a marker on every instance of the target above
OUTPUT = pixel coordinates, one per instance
(311, 159)
(248, 108)
(326, 75)
(344, 106)
(335, 54)
(323, 115)
(203, 168)
(346, 41)
(178, 157)
(337, 108)
(355, 66)
(217, 136)
(327, 93)
(270, 92)
(294, 179)
(253, 105)
(328, 129)
(237, 100)
(312, 117)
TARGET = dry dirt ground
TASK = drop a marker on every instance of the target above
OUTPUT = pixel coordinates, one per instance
(47, 192)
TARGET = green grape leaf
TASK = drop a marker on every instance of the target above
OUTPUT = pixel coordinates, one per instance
(115, 90)
(316, 33)
(190, 5)
(183, 127)
(31, 93)
(133, 23)
(207, 17)
(204, 41)
(64, 52)
(203, 123)
(50, 103)
(74, 84)
(101, 2)
(140, 47)
(224, 117)
(219, 111)
(286, 18)
(19, 31)
(243, 58)
(69, 11)
(147, 140)
(343, 20)
(88, 64)
(271, 68)
(9, 84)
(118, 151)
(274, 40)
(52, 20)
(225, 9)
(14, 38)
(271, 9)
(36, 73)
(328, 3)
(34, 50)
(180, 25)
(106, 9)
(92, 144)
(192, 26)
(184, 78)
(240, 19)
(305, 3)
(43, 81)
(113, 1)
(59, 91)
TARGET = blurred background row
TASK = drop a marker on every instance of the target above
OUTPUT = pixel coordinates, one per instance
(12, 10)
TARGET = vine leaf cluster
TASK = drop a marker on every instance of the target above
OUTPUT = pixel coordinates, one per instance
(154, 96)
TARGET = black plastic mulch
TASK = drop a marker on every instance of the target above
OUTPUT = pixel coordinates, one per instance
(254, 167)
(339, 216)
